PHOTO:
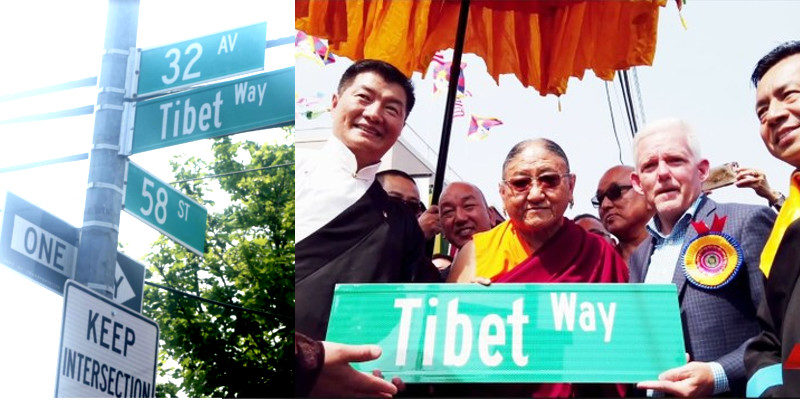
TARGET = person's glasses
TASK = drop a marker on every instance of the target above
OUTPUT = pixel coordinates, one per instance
(613, 193)
(545, 181)
(416, 206)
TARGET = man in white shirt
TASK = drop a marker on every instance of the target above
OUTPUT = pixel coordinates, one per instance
(347, 230)
(709, 250)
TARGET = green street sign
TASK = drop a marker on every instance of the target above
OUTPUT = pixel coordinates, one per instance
(167, 210)
(202, 59)
(612, 333)
(259, 101)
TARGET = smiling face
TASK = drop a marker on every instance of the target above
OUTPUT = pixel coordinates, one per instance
(626, 215)
(537, 212)
(778, 109)
(668, 173)
(368, 116)
(462, 211)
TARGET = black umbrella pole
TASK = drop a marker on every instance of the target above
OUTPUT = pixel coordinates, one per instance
(447, 125)
(455, 70)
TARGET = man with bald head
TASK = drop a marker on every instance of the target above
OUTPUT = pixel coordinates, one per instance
(463, 211)
(623, 211)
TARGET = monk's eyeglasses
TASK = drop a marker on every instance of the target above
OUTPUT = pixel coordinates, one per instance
(548, 180)
(613, 193)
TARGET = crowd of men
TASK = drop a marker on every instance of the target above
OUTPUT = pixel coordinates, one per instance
(358, 225)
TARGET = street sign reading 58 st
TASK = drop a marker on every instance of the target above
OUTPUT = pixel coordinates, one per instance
(202, 59)
(167, 210)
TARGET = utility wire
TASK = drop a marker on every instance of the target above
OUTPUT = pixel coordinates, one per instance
(219, 303)
(626, 100)
(613, 124)
(630, 102)
(639, 95)
(91, 81)
(51, 115)
(232, 173)
(76, 157)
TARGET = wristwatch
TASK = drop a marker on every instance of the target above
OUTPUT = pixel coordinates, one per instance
(778, 203)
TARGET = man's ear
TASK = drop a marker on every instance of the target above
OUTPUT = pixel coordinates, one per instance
(636, 183)
(704, 167)
(334, 100)
(501, 188)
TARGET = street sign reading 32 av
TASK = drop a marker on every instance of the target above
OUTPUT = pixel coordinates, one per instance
(202, 59)
(167, 210)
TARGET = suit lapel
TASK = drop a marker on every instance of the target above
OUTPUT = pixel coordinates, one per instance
(702, 214)
(646, 263)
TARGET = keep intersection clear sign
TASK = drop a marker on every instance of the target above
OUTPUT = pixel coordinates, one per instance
(612, 333)
(106, 349)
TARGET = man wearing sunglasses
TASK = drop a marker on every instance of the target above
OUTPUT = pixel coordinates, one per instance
(402, 188)
(709, 251)
(623, 211)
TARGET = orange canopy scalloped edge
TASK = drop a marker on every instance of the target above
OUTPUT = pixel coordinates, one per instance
(542, 42)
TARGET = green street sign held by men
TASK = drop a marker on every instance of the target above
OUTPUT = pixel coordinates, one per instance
(612, 333)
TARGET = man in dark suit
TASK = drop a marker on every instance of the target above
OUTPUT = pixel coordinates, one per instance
(347, 229)
(709, 250)
(773, 358)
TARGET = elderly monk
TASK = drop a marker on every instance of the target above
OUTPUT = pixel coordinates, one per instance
(539, 245)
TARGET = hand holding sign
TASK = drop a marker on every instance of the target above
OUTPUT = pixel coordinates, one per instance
(339, 379)
(695, 379)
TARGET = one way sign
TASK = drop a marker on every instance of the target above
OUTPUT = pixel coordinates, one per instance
(45, 248)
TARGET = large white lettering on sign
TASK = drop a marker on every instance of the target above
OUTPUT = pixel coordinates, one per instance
(492, 339)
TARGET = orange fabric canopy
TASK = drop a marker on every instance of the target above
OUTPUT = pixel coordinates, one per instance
(542, 42)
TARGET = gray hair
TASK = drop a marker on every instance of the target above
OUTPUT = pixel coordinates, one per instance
(548, 144)
(667, 125)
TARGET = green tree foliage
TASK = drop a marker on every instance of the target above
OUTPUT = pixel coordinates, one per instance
(248, 261)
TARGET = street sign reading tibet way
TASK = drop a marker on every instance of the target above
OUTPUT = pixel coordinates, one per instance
(259, 101)
(202, 59)
(106, 350)
(167, 210)
(512, 332)
(45, 248)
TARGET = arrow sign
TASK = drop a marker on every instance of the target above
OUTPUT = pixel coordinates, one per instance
(259, 101)
(202, 59)
(38, 244)
(128, 282)
(169, 211)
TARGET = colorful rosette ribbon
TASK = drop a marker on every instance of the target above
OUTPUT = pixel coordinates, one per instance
(712, 259)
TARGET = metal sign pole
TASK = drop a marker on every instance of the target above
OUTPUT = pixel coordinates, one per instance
(97, 252)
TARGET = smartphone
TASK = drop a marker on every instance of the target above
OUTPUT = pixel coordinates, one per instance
(721, 176)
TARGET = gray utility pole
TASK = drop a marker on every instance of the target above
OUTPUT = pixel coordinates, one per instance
(97, 253)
